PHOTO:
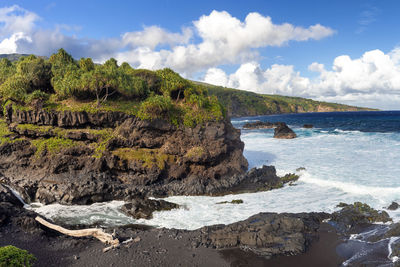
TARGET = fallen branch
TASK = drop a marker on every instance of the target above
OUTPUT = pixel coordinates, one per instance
(95, 232)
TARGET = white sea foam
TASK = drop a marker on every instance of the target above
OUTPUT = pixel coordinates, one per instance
(103, 214)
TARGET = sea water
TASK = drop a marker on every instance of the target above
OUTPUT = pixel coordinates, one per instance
(345, 157)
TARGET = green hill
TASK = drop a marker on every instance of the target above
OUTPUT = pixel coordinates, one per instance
(62, 82)
(240, 103)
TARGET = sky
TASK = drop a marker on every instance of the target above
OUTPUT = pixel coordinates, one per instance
(344, 51)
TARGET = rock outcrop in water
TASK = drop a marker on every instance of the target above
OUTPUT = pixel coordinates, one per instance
(80, 158)
(143, 208)
(282, 131)
(258, 125)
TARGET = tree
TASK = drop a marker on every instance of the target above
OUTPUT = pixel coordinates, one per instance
(7, 69)
(172, 84)
(14, 88)
(36, 71)
(61, 58)
(86, 64)
(103, 81)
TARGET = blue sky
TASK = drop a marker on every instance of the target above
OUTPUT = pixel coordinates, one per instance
(341, 51)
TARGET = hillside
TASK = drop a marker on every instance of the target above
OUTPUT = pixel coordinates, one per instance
(240, 103)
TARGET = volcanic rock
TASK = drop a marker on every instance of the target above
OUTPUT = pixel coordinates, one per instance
(393, 206)
(144, 208)
(284, 132)
(266, 234)
(258, 125)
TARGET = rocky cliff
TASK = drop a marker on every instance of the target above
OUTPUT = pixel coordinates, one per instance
(80, 157)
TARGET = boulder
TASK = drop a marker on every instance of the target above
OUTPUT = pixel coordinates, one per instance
(144, 208)
(266, 234)
(284, 132)
(393, 206)
(354, 216)
(308, 126)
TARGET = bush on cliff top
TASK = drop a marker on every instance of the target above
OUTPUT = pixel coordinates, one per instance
(15, 257)
(162, 94)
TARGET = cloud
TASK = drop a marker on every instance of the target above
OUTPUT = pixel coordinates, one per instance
(153, 36)
(367, 17)
(15, 19)
(10, 45)
(372, 79)
(212, 40)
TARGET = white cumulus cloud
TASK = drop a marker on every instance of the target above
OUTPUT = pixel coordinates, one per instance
(373, 79)
(212, 40)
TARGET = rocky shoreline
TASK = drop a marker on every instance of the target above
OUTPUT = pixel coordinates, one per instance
(265, 238)
(116, 156)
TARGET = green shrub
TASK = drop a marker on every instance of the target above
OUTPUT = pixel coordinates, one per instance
(15, 88)
(11, 256)
(172, 83)
(132, 87)
(37, 72)
(200, 109)
(152, 79)
(160, 107)
(7, 69)
(37, 95)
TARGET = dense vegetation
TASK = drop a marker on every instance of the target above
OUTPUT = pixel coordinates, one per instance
(61, 83)
(244, 103)
(15, 257)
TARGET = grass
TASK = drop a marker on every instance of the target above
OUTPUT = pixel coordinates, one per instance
(148, 157)
(52, 145)
(5, 134)
(36, 128)
(127, 106)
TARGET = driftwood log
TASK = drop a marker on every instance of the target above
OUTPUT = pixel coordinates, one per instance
(95, 232)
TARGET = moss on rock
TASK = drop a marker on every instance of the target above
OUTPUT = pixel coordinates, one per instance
(148, 157)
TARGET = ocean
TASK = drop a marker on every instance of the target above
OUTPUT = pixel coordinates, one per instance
(345, 157)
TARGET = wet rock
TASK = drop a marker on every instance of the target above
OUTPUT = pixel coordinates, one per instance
(266, 234)
(234, 201)
(144, 208)
(393, 206)
(258, 125)
(284, 132)
(308, 126)
(7, 196)
(354, 216)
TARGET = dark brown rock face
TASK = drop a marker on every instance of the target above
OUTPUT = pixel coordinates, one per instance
(7, 196)
(284, 132)
(140, 158)
(65, 118)
(266, 234)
